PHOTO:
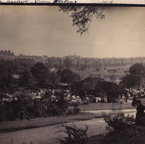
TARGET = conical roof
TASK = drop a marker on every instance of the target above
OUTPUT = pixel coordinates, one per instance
(88, 83)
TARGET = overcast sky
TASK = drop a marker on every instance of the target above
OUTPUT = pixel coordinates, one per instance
(43, 30)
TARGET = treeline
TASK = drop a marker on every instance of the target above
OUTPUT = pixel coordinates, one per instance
(32, 76)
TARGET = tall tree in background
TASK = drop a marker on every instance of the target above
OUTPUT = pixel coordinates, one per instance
(41, 73)
(136, 76)
(6, 78)
(27, 79)
(82, 15)
(67, 63)
(67, 76)
(128, 81)
(138, 71)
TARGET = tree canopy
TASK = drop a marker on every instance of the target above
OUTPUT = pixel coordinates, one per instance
(136, 76)
(41, 73)
(27, 79)
(67, 63)
(67, 76)
(6, 78)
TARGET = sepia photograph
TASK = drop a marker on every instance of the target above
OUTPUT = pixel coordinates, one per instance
(72, 74)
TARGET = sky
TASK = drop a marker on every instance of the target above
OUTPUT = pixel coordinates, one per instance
(44, 30)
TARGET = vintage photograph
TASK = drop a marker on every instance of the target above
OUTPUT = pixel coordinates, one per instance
(72, 74)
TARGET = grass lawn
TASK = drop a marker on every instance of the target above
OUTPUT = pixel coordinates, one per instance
(42, 122)
(96, 139)
(109, 106)
(105, 106)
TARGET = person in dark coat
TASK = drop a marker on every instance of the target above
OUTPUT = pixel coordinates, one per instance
(134, 101)
(140, 110)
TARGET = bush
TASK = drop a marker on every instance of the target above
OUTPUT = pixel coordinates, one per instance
(62, 103)
(120, 129)
(54, 110)
(140, 121)
(27, 108)
(75, 135)
(76, 110)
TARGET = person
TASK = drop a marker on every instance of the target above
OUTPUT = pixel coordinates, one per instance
(140, 110)
(134, 101)
(105, 97)
(123, 98)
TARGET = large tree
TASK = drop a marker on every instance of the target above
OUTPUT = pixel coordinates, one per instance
(69, 77)
(27, 79)
(138, 71)
(128, 81)
(6, 78)
(136, 76)
(67, 63)
(41, 73)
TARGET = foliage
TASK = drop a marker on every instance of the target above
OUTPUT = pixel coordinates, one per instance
(67, 76)
(136, 76)
(75, 111)
(54, 79)
(58, 107)
(128, 81)
(82, 15)
(41, 73)
(27, 108)
(138, 71)
(140, 121)
(67, 63)
(27, 79)
(6, 78)
(75, 135)
(62, 103)
(120, 129)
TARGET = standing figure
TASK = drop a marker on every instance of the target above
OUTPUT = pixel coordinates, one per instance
(134, 101)
(140, 110)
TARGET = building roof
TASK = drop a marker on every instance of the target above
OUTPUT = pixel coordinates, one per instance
(93, 83)
(88, 83)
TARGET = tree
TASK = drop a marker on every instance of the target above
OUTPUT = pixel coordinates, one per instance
(128, 81)
(67, 63)
(27, 79)
(135, 78)
(138, 71)
(67, 76)
(54, 78)
(82, 15)
(6, 78)
(41, 73)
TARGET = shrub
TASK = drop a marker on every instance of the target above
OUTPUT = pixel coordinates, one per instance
(75, 135)
(54, 110)
(27, 108)
(120, 129)
(62, 103)
(76, 110)
(140, 121)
